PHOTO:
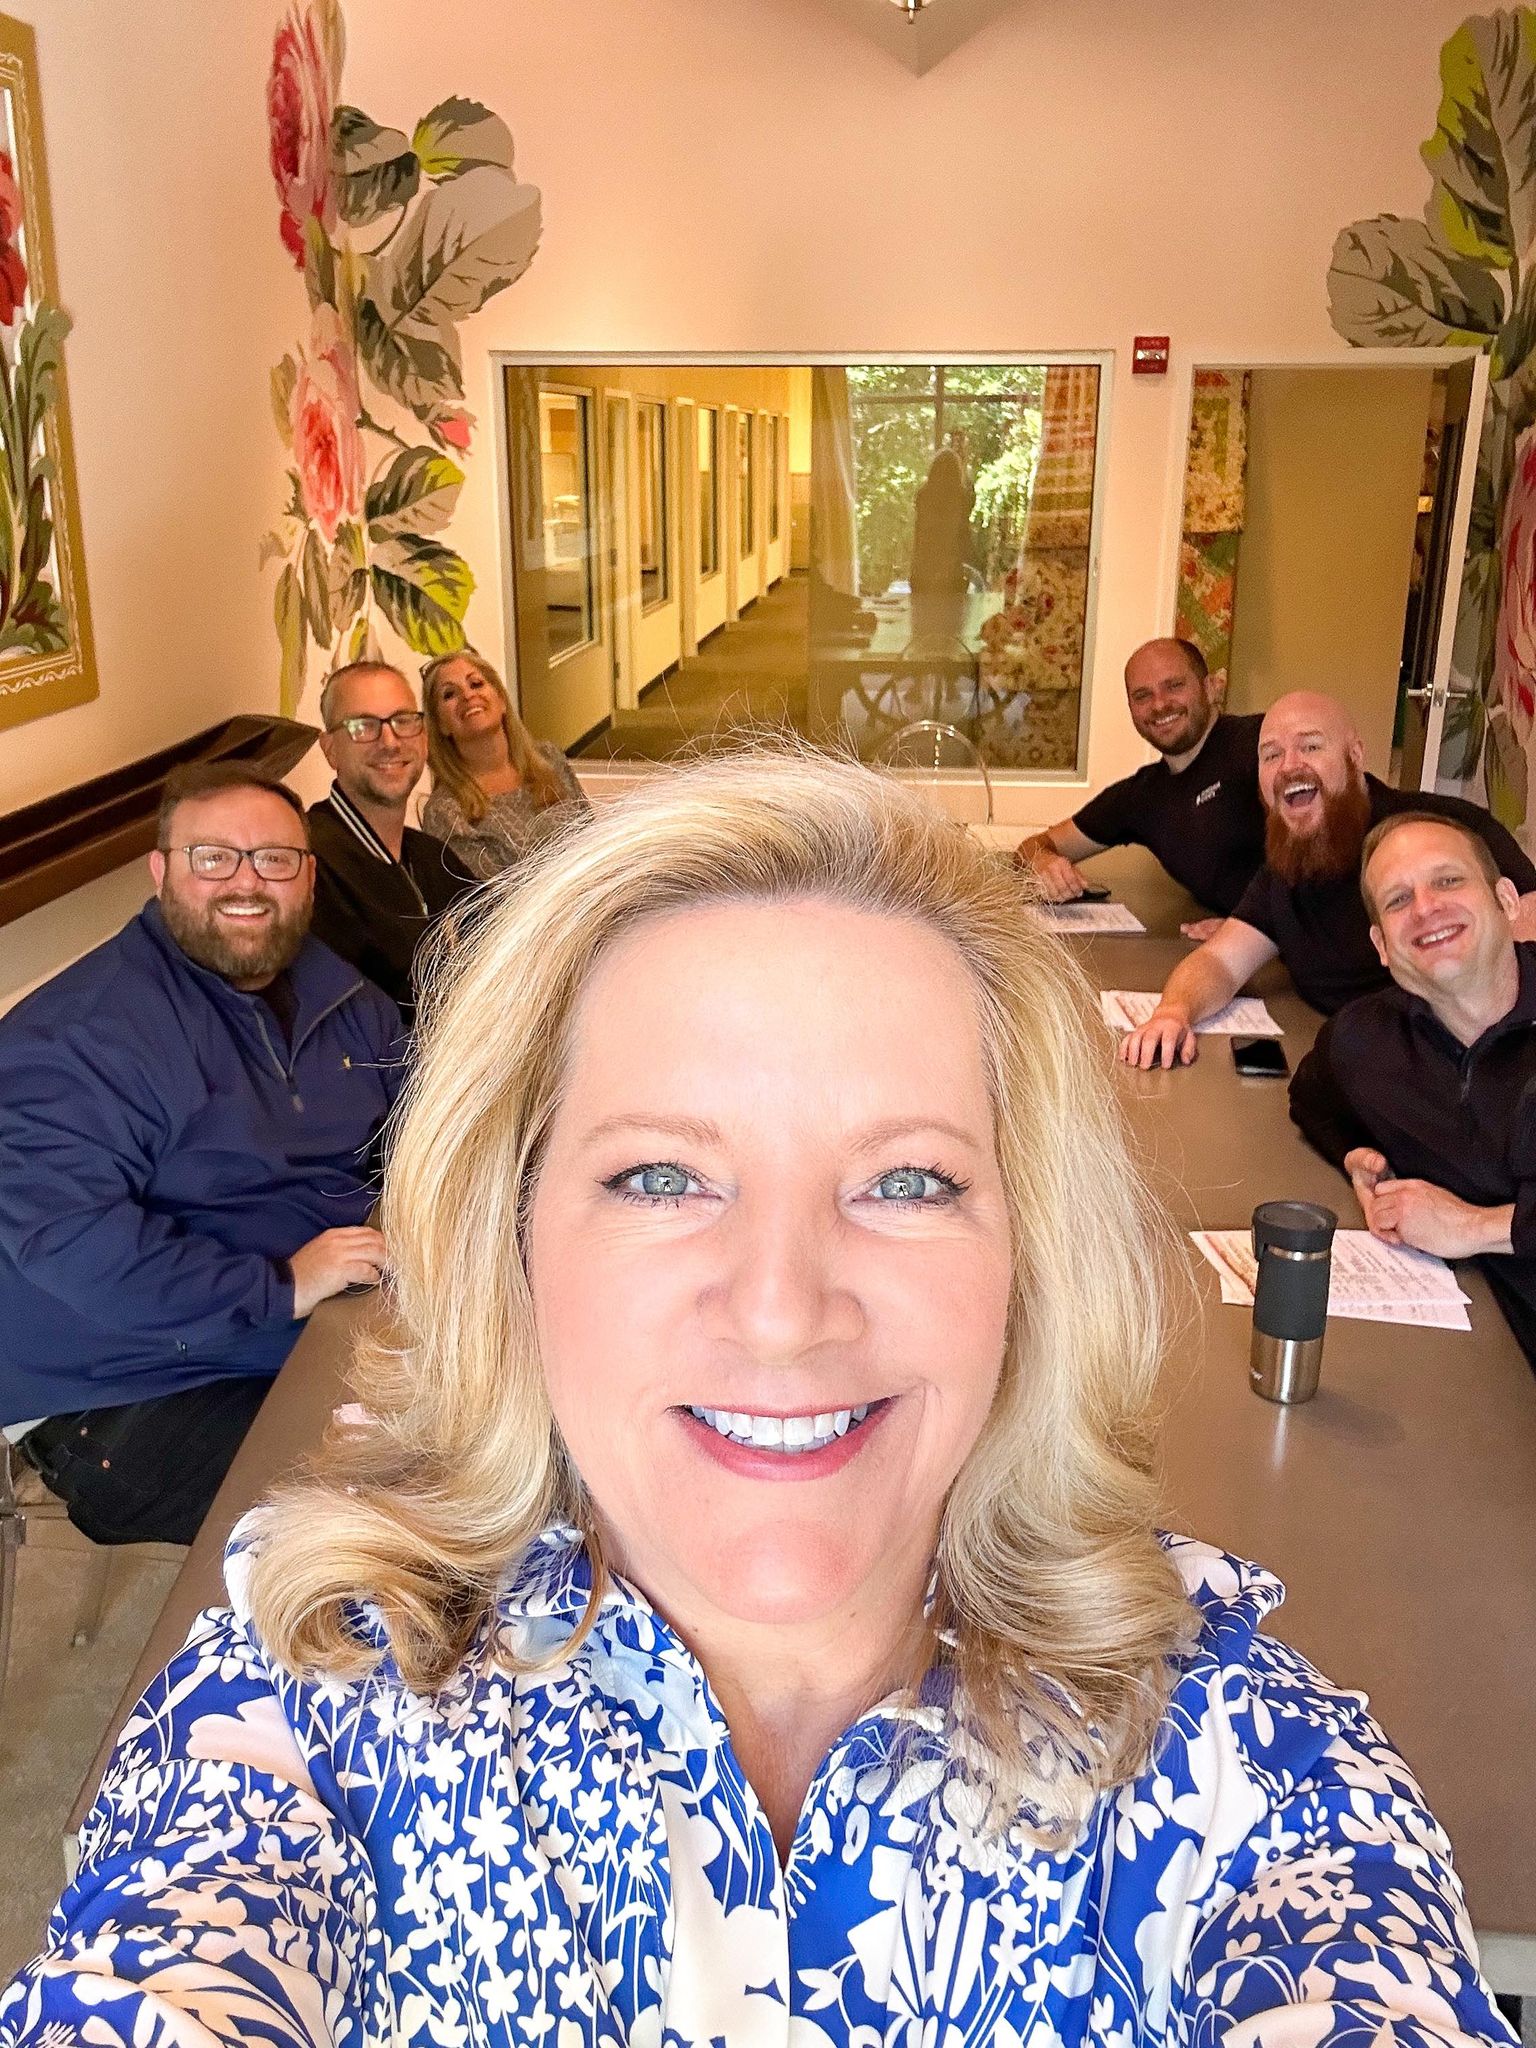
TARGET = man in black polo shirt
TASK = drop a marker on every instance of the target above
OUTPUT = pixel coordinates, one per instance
(1304, 904)
(380, 885)
(1197, 808)
(1425, 1093)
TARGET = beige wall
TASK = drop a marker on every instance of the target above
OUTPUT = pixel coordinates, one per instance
(1041, 189)
(166, 237)
(1070, 178)
(1334, 465)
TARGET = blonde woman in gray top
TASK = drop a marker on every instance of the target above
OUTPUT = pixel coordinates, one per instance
(496, 791)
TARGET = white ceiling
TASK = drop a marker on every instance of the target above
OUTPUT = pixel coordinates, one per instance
(941, 28)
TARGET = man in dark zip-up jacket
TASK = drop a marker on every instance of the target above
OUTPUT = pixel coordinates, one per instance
(1425, 1094)
(188, 1155)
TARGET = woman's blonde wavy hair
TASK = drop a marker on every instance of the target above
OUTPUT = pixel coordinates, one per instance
(447, 763)
(1061, 1609)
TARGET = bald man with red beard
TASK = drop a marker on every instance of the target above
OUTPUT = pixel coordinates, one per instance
(1304, 905)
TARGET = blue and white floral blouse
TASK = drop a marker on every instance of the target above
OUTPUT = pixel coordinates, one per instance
(575, 1858)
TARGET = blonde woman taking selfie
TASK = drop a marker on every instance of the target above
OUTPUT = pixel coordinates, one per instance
(742, 1617)
(496, 791)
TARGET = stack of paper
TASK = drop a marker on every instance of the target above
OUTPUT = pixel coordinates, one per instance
(1090, 917)
(1370, 1282)
(1126, 1009)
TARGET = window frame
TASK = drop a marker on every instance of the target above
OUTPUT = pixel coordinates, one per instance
(554, 361)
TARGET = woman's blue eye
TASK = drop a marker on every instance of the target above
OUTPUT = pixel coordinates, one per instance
(659, 1183)
(914, 1184)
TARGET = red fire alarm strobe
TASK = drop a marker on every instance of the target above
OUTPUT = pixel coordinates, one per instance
(1149, 355)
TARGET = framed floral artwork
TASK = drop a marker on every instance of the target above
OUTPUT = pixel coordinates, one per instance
(47, 660)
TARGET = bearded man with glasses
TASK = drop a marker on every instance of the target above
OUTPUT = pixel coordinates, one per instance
(380, 885)
(188, 1158)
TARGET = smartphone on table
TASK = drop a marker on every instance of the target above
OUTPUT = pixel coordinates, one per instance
(1260, 1058)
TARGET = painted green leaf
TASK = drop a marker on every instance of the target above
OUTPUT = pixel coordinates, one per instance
(465, 241)
(36, 544)
(33, 389)
(319, 264)
(362, 641)
(1482, 154)
(288, 617)
(416, 494)
(1391, 286)
(277, 543)
(375, 168)
(457, 136)
(423, 589)
(1505, 772)
(1461, 740)
(284, 377)
(417, 364)
(315, 573)
(348, 574)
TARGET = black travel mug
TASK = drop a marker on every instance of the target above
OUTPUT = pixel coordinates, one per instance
(1293, 1243)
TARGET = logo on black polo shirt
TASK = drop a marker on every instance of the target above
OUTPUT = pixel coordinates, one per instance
(1206, 794)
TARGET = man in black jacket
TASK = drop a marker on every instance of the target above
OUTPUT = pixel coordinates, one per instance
(380, 885)
(1425, 1093)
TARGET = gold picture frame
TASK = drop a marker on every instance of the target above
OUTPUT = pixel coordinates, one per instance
(47, 655)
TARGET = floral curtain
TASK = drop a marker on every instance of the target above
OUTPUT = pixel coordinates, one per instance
(1035, 643)
(1214, 488)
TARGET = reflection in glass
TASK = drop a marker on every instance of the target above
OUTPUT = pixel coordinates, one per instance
(747, 481)
(941, 573)
(655, 557)
(709, 496)
(564, 476)
(773, 476)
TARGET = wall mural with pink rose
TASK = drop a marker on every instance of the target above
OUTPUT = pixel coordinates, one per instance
(1464, 275)
(398, 238)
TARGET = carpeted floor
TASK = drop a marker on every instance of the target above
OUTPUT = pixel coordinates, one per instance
(56, 1703)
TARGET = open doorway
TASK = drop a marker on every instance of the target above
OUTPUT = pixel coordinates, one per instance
(1321, 542)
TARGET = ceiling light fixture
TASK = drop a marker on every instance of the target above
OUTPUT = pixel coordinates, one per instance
(911, 8)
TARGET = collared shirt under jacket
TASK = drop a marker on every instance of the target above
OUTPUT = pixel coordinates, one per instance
(573, 1856)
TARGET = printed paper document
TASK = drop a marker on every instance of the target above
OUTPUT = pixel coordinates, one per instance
(1370, 1281)
(1125, 1009)
(1090, 917)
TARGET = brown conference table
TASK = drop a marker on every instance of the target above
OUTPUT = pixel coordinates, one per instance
(1399, 1506)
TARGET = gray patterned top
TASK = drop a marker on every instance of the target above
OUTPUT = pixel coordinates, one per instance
(513, 825)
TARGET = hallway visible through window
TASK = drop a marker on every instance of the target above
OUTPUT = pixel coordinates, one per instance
(836, 550)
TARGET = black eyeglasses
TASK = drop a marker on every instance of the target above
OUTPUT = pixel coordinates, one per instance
(219, 863)
(365, 728)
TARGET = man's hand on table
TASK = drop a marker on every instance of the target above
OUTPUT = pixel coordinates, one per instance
(1424, 1217)
(1202, 928)
(332, 1262)
(1055, 876)
(1167, 1039)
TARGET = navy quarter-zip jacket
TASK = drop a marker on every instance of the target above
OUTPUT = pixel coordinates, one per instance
(1386, 1073)
(162, 1153)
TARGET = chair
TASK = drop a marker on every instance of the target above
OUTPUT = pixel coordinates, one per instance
(945, 765)
(26, 1506)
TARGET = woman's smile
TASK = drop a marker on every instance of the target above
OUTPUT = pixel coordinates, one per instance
(783, 1446)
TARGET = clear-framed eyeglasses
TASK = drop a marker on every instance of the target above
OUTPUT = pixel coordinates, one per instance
(365, 727)
(220, 863)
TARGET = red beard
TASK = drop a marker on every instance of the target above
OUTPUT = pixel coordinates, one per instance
(1330, 853)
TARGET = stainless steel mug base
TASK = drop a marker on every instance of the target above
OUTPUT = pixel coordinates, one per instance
(1285, 1369)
